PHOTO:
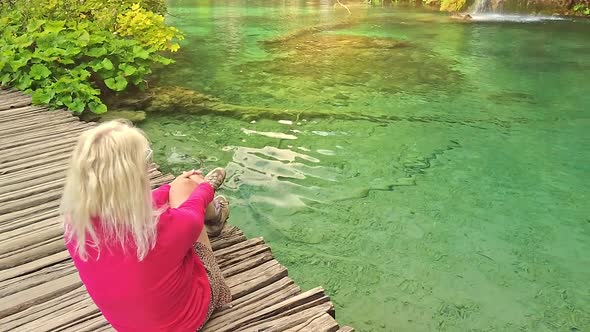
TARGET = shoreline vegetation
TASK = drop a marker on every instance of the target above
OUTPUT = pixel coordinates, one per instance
(73, 54)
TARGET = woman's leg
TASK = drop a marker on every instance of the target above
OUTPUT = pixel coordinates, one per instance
(180, 192)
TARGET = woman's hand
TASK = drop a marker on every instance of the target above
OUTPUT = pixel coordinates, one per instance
(195, 176)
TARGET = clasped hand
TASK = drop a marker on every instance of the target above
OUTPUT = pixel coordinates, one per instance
(193, 175)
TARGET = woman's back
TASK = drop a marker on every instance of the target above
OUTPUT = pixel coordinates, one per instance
(143, 256)
(167, 291)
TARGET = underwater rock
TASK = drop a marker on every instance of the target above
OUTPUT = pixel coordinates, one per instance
(133, 116)
(310, 30)
(341, 96)
(164, 99)
(461, 16)
(323, 60)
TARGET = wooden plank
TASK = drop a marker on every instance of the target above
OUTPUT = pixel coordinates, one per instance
(27, 192)
(31, 253)
(38, 126)
(35, 265)
(162, 180)
(97, 323)
(220, 254)
(30, 222)
(57, 174)
(44, 308)
(50, 231)
(27, 118)
(14, 96)
(255, 297)
(247, 264)
(23, 282)
(255, 301)
(16, 103)
(256, 278)
(7, 221)
(322, 322)
(46, 132)
(11, 170)
(66, 318)
(228, 237)
(38, 294)
(345, 329)
(295, 316)
(72, 133)
(27, 112)
(301, 300)
(32, 150)
(33, 200)
(238, 256)
(7, 92)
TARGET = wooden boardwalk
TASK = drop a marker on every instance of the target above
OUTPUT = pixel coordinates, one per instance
(39, 287)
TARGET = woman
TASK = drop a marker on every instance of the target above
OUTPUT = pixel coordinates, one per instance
(143, 256)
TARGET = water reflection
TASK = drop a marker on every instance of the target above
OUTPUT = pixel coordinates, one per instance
(274, 174)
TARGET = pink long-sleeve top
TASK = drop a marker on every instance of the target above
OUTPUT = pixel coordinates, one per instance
(168, 290)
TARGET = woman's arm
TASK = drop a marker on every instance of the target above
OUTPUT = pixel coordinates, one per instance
(160, 195)
(189, 217)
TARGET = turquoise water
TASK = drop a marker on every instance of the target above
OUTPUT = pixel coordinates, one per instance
(432, 175)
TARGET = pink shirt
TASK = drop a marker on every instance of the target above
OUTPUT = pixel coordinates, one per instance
(168, 290)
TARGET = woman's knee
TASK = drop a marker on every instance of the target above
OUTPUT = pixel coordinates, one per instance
(180, 191)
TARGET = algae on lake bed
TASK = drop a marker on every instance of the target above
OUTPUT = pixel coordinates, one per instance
(459, 201)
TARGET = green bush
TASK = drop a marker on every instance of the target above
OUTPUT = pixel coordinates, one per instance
(581, 9)
(68, 52)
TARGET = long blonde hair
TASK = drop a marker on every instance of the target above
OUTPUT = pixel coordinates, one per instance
(108, 181)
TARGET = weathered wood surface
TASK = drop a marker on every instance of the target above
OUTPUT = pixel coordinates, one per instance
(39, 287)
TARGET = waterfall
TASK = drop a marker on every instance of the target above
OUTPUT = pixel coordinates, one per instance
(483, 6)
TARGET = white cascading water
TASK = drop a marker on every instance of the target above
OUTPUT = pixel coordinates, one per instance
(486, 11)
(483, 6)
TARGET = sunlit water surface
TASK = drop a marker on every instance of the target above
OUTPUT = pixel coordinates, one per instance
(437, 178)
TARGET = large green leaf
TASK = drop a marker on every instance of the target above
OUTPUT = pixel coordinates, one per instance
(76, 105)
(39, 71)
(163, 60)
(54, 26)
(117, 83)
(64, 99)
(136, 80)
(96, 38)
(140, 52)
(96, 52)
(34, 25)
(23, 41)
(66, 61)
(24, 82)
(96, 65)
(72, 51)
(107, 64)
(5, 79)
(83, 39)
(18, 62)
(97, 107)
(43, 96)
(127, 69)
(80, 73)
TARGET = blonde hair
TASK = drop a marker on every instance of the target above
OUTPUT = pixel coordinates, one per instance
(108, 181)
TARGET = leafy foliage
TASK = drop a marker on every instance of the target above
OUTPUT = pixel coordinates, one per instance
(582, 9)
(69, 52)
(148, 28)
